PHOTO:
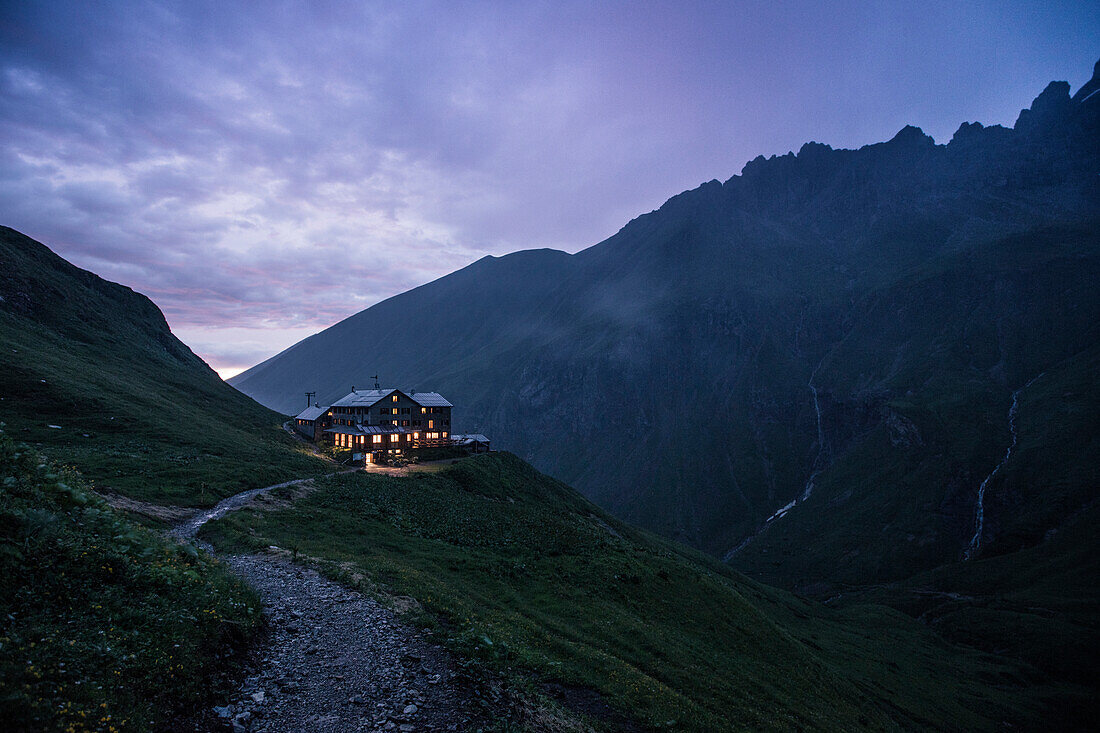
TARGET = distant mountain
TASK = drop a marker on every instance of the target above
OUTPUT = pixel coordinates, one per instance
(854, 320)
(91, 373)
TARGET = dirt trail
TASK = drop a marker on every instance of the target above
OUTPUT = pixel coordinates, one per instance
(335, 659)
(189, 528)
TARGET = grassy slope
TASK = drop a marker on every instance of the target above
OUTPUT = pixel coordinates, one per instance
(522, 573)
(104, 625)
(138, 412)
(1037, 605)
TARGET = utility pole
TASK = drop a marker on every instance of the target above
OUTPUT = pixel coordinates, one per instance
(376, 384)
(309, 398)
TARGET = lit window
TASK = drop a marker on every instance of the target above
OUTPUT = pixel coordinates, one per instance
(416, 436)
(431, 424)
(423, 410)
(444, 434)
(395, 398)
(394, 438)
(377, 439)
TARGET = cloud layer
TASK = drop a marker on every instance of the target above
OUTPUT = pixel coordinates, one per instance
(263, 171)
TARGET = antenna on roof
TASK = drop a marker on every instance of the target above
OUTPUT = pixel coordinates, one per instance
(376, 384)
(309, 398)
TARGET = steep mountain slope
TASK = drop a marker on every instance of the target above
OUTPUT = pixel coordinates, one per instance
(693, 372)
(91, 374)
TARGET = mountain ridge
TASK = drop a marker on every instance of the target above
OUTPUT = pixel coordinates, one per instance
(716, 308)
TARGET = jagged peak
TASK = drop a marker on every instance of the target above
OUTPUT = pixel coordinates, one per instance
(975, 132)
(1054, 102)
(912, 136)
(967, 131)
(813, 150)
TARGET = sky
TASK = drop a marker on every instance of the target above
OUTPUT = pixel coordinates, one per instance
(262, 170)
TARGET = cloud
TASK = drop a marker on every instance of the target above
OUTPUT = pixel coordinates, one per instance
(275, 168)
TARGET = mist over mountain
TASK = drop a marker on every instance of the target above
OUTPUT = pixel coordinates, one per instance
(842, 329)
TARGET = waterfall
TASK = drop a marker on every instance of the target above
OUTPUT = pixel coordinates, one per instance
(816, 466)
(817, 412)
(807, 489)
(979, 511)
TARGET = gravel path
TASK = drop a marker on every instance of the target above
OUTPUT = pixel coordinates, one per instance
(337, 660)
(188, 529)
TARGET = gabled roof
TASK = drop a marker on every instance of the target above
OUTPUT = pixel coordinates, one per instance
(363, 397)
(371, 397)
(429, 399)
(311, 413)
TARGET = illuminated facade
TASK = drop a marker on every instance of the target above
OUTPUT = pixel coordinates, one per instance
(380, 421)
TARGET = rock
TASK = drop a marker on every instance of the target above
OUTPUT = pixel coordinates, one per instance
(407, 728)
(257, 697)
(409, 710)
(224, 712)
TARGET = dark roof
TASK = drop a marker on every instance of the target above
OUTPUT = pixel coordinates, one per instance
(472, 438)
(363, 397)
(429, 399)
(371, 397)
(311, 413)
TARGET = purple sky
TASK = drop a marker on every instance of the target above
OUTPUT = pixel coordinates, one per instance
(264, 170)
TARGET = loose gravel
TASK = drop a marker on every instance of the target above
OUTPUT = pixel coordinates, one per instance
(337, 660)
